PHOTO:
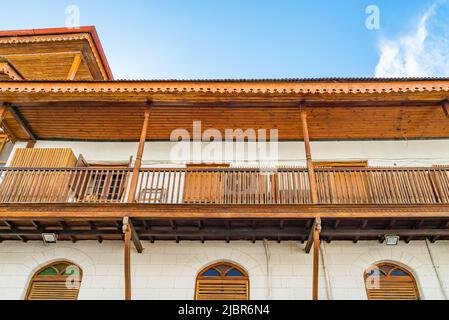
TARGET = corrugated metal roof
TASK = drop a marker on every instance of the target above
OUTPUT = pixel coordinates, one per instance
(297, 80)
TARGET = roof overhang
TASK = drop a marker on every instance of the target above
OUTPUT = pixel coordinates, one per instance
(48, 54)
(113, 110)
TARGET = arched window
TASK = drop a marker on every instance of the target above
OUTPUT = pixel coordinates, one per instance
(222, 281)
(387, 281)
(56, 281)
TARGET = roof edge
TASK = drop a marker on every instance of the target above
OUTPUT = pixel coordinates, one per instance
(261, 80)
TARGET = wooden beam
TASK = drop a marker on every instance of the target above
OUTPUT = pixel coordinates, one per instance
(31, 144)
(308, 150)
(66, 227)
(9, 70)
(135, 237)
(22, 122)
(27, 211)
(9, 132)
(4, 125)
(382, 232)
(445, 106)
(310, 239)
(75, 67)
(127, 257)
(14, 231)
(67, 232)
(138, 163)
(316, 256)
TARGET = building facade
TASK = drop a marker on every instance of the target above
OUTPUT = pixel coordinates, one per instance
(216, 189)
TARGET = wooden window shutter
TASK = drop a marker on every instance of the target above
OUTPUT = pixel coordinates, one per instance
(390, 282)
(222, 281)
(57, 281)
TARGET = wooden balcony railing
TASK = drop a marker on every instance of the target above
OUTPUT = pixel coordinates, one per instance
(226, 186)
(383, 185)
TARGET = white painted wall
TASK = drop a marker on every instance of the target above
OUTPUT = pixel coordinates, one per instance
(168, 270)
(379, 153)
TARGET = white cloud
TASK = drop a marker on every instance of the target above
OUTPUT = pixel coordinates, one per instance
(424, 52)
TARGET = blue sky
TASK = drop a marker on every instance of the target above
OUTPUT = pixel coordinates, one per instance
(158, 39)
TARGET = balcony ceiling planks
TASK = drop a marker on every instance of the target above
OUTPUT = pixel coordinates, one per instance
(325, 123)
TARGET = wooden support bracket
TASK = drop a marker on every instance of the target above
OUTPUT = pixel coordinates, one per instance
(445, 106)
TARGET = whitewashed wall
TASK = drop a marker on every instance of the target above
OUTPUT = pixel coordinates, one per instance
(168, 270)
(379, 153)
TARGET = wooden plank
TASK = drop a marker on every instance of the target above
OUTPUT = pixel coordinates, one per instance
(117, 210)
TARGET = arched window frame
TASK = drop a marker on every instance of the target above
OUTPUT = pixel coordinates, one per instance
(393, 266)
(223, 276)
(36, 277)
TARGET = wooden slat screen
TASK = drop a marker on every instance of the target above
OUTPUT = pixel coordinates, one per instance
(43, 158)
(222, 290)
(394, 288)
(203, 186)
(50, 183)
(51, 290)
(391, 283)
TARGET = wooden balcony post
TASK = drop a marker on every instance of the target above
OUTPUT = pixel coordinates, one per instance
(138, 163)
(127, 257)
(316, 256)
(310, 167)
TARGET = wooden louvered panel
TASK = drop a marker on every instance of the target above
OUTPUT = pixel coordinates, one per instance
(34, 186)
(222, 290)
(394, 288)
(51, 290)
(43, 158)
(202, 187)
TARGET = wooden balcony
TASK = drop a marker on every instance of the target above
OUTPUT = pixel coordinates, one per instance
(225, 186)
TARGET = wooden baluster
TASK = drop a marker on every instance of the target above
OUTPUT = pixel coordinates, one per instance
(180, 175)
